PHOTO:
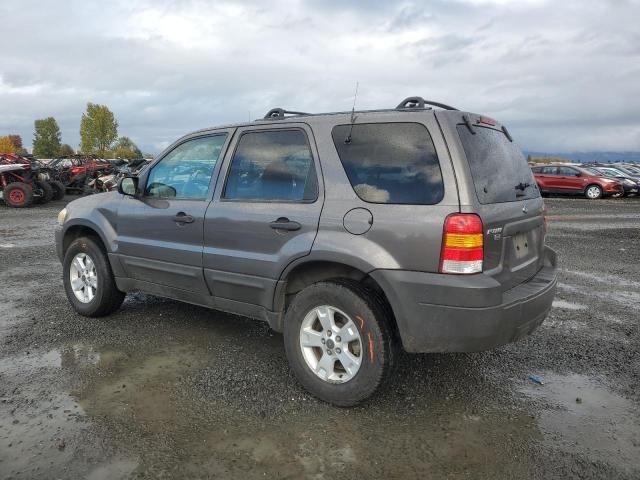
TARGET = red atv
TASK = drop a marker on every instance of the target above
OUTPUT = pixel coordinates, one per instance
(24, 181)
(76, 171)
(17, 189)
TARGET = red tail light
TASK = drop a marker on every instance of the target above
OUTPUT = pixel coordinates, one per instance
(462, 244)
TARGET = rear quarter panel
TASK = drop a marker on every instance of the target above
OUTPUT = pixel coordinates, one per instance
(405, 237)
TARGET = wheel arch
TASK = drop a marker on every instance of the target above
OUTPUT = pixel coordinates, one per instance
(76, 231)
(307, 272)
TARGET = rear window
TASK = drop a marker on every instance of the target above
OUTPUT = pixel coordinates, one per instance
(499, 169)
(390, 162)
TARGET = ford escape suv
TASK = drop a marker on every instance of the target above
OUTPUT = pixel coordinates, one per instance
(354, 234)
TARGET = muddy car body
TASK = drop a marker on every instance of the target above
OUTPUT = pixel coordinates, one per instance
(352, 233)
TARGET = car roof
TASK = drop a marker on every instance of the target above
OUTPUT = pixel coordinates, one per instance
(276, 115)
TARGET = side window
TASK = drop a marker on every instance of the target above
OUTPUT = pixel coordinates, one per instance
(272, 166)
(550, 170)
(186, 171)
(567, 172)
(390, 162)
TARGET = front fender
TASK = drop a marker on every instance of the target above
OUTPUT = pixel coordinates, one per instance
(97, 213)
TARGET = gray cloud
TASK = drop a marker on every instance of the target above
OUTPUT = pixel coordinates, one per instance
(563, 76)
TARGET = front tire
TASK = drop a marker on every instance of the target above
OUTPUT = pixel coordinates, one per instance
(17, 195)
(338, 341)
(88, 279)
(593, 192)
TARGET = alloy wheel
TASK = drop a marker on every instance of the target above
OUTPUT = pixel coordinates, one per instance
(331, 344)
(83, 277)
(593, 192)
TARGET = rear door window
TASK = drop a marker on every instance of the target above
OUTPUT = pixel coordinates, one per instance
(390, 162)
(499, 169)
(272, 166)
(567, 171)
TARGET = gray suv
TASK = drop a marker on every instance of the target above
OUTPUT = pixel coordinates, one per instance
(354, 234)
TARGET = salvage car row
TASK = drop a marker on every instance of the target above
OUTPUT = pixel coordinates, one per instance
(592, 181)
(25, 181)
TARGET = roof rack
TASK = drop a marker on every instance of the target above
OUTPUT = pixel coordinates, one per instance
(278, 113)
(419, 102)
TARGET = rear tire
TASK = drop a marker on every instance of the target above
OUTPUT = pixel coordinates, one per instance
(47, 192)
(17, 195)
(593, 192)
(88, 279)
(58, 189)
(359, 312)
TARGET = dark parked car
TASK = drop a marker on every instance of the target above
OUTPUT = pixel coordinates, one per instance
(630, 170)
(630, 184)
(574, 180)
(352, 233)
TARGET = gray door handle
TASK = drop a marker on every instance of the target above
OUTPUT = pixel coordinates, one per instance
(182, 217)
(284, 223)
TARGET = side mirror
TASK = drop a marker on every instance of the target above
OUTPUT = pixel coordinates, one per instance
(128, 186)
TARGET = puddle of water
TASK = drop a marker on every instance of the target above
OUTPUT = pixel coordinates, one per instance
(559, 303)
(70, 357)
(140, 390)
(113, 469)
(444, 443)
(42, 428)
(584, 417)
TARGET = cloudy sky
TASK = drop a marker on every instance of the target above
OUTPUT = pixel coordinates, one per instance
(564, 76)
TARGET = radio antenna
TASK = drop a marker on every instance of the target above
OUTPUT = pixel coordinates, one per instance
(353, 114)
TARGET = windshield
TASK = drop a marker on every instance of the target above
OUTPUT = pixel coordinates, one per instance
(499, 169)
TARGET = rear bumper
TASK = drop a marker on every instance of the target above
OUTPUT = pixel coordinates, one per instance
(458, 313)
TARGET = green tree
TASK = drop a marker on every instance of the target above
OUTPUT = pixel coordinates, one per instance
(125, 148)
(65, 150)
(46, 139)
(98, 129)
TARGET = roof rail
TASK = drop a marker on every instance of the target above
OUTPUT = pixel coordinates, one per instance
(279, 113)
(419, 102)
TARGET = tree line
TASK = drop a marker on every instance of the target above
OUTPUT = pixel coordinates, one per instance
(98, 136)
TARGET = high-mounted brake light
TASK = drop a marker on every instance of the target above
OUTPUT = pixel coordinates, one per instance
(462, 244)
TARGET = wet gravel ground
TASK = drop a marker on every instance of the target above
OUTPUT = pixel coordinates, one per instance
(168, 390)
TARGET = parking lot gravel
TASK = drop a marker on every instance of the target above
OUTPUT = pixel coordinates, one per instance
(168, 390)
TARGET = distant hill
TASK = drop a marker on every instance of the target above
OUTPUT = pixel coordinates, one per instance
(604, 157)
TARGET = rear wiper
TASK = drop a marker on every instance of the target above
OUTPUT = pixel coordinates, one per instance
(522, 186)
